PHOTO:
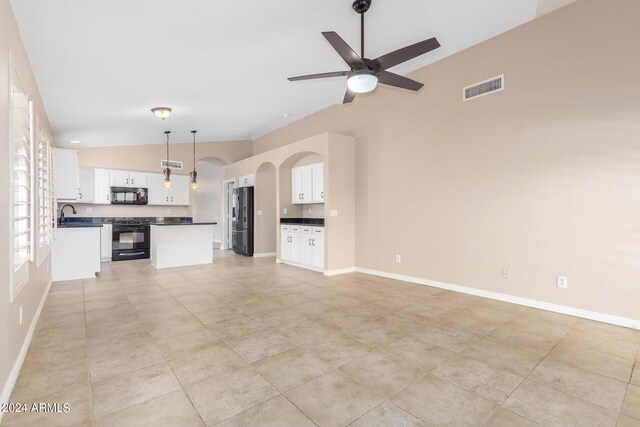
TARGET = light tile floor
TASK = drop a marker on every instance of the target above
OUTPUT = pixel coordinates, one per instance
(246, 342)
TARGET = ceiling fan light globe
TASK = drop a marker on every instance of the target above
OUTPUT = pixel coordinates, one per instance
(362, 81)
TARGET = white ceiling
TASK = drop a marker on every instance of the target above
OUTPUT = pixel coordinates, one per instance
(221, 65)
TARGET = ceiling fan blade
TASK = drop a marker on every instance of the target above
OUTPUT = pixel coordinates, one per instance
(348, 97)
(320, 76)
(401, 55)
(344, 50)
(391, 79)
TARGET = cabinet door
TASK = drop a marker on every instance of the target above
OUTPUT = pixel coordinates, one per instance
(306, 249)
(158, 194)
(102, 188)
(306, 184)
(105, 242)
(179, 193)
(295, 244)
(119, 179)
(285, 244)
(67, 185)
(86, 185)
(138, 180)
(296, 184)
(318, 250)
(317, 172)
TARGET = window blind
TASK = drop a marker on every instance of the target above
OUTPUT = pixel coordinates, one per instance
(45, 213)
(21, 174)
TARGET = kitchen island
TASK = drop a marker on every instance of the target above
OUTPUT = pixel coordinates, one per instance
(179, 245)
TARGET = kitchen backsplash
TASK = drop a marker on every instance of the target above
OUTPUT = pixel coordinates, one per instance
(125, 211)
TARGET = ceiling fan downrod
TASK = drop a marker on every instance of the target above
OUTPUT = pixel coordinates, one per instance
(361, 7)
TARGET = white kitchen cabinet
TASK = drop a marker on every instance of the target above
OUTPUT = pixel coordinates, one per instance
(302, 246)
(317, 173)
(86, 193)
(246, 181)
(102, 186)
(106, 238)
(317, 243)
(67, 174)
(128, 179)
(307, 184)
(75, 253)
(295, 243)
(177, 195)
(285, 245)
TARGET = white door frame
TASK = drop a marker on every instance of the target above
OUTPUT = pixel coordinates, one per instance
(226, 214)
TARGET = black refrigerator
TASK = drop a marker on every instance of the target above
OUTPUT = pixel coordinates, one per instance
(242, 227)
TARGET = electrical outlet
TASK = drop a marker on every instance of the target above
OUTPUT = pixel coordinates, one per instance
(21, 315)
(562, 282)
(333, 212)
(506, 273)
(310, 210)
(398, 259)
(169, 211)
(259, 212)
(88, 210)
(285, 211)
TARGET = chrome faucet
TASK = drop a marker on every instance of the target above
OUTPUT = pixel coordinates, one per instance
(61, 220)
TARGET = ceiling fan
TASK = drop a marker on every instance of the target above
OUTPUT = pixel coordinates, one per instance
(365, 74)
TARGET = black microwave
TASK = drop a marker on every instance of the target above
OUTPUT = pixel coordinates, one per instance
(129, 196)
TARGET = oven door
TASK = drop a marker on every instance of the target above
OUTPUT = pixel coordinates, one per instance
(130, 237)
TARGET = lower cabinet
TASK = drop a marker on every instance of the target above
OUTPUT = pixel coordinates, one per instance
(106, 238)
(302, 245)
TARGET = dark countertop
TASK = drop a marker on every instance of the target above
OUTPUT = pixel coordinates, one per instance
(182, 223)
(79, 220)
(78, 225)
(316, 222)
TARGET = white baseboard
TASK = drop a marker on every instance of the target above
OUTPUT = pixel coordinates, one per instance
(557, 308)
(278, 261)
(295, 264)
(264, 255)
(339, 271)
(17, 366)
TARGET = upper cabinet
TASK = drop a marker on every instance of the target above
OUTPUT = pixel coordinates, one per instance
(177, 194)
(67, 174)
(87, 178)
(129, 179)
(246, 181)
(102, 186)
(307, 184)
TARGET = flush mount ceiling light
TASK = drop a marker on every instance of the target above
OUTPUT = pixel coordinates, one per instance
(194, 174)
(75, 141)
(167, 170)
(162, 112)
(365, 74)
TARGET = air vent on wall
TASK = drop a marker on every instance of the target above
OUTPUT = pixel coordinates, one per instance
(173, 164)
(494, 84)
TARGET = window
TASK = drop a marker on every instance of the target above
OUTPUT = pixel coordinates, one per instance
(21, 197)
(45, 212)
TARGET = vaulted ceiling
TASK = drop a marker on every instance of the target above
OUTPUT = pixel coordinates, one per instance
(222, 65)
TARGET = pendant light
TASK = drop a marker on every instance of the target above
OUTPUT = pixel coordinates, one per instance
(167, 170)
(161, 112)
(194, 174)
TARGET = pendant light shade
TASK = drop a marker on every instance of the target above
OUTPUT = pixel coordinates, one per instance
(161, 112)
(167, 171)
(194, 174)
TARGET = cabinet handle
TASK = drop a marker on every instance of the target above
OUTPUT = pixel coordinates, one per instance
(172, 198)
(322, 194)
(107, 197)
(314, 242)
(302, 196)
(309, 242)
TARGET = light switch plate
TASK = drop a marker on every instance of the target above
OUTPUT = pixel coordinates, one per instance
(259, 212)
(333, 212)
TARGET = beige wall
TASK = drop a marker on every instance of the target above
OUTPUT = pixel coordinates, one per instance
(541, 178)
(12, 334)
